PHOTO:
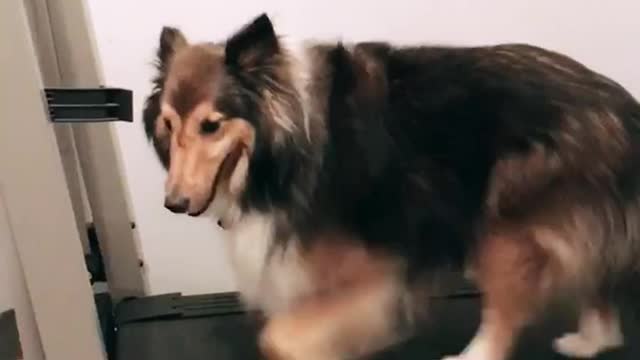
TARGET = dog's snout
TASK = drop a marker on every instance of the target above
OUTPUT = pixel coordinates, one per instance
(177, 204)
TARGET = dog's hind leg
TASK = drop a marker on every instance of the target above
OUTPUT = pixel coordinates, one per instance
(598, 331)
(512, 272)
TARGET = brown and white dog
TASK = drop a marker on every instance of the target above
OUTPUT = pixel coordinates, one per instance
(347, 175)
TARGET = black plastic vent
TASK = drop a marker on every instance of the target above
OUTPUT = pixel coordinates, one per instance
(176, 306)
(88, 105)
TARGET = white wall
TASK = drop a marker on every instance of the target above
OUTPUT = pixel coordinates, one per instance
(7, 267)
(185, 254)
(13, 290)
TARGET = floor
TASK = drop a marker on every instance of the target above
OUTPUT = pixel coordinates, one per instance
(220, 336)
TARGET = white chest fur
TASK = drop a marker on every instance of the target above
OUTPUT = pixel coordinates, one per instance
(268, 281)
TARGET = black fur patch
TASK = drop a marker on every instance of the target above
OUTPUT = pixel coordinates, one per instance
(253, 44)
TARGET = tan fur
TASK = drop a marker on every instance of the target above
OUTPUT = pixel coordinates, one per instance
(511, 272)
(337, 327)
(351, 314)
(196, 159)
(339, 262)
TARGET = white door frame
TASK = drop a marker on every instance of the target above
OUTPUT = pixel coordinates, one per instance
(101, 168)
(38, 202)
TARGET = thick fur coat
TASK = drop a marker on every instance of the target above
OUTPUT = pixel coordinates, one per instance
(347, 175)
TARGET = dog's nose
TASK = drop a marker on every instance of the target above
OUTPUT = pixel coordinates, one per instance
(177, 204)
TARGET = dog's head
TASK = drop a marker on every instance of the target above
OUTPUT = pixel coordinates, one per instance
(213, 106)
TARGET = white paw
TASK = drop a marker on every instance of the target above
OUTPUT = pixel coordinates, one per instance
(276, 343)
(455, 357)
(281, 340)
(579, 346)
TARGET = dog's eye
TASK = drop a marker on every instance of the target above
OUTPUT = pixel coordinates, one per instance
(209, 127)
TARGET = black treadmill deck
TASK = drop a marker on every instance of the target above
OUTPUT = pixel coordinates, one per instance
(206, 328)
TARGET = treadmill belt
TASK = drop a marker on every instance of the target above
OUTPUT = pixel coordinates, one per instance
(212, 328)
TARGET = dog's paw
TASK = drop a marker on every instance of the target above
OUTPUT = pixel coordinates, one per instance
(281, 339)
(577, 345)
(276, 344)
(455, 357)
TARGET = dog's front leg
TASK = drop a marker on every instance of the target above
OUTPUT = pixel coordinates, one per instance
(344, 324)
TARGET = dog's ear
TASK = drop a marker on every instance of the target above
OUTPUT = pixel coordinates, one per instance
(254, 45)
(171, 40)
